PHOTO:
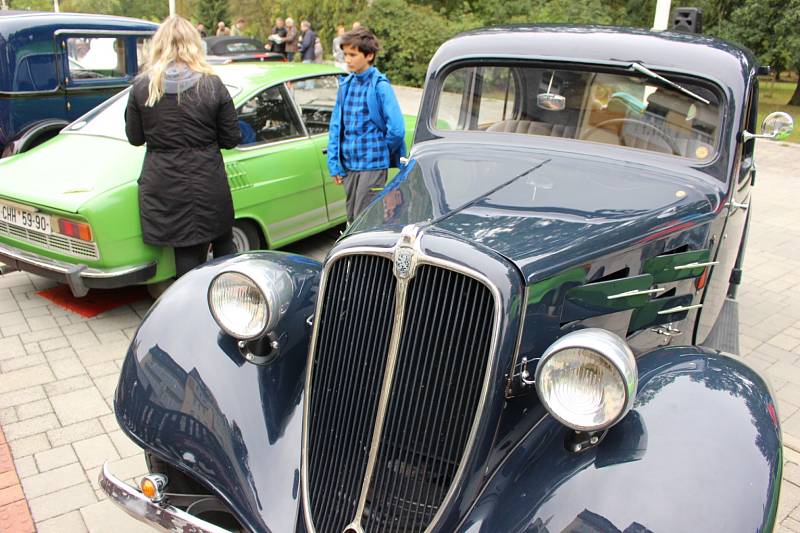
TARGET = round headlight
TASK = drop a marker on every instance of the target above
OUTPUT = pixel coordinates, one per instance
(239, 305)
(587, 379)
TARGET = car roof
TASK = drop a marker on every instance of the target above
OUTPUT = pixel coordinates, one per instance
(247, 75)
(725, 62)
(11, 21)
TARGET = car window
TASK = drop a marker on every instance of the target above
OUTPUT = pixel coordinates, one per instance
(142, 50)
(96, 57)
(315, 98)
(620, 109)
(35, 72)
(267, 117)
(242, 47)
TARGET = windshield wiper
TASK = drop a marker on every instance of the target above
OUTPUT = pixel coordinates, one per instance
(650, 74)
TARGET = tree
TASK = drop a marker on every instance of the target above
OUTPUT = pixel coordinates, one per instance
(209, 12)
(769, 29)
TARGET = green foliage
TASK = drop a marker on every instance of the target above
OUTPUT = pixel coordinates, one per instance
(210, 12)
(32, 5)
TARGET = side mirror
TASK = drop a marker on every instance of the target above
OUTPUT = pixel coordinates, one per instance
(776, 126)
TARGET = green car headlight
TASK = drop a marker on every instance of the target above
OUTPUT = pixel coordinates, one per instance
(238, 305)
(587, 379)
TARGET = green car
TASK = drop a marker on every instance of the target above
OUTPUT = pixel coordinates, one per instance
(69, 208)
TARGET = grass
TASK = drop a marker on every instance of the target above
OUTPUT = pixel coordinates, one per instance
(773, 97)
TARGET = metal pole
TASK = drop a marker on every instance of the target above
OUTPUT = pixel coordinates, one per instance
(171, 7)
(661, 21)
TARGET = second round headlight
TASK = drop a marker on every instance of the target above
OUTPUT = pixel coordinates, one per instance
(239, 306)
(587, 379)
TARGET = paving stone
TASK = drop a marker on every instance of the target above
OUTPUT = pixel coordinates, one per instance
(11, 347)
(24, 378)
(32, 348)
(95, 451)
(71, 522)
(15, 518)
(124, 445)
(75, 329)
(103, 353)
(63, 501)
(40, 335)
(8, 416)
(96, 517)
(14, 329)
(107, 385)
(68, 385)
(80, 405)
(33, 409)
(124, 319)
(26, 466)
(130, 467)
(39, 323)
(30, 427)
(73, 433)
(102, 369)
(8, 479)
(791, 524)
(67, 368)
(11, 494)
(54, 344)
(784, 342)
(55, 458)
(53, 480)
(32, 302)
(790, 498)
(63, 321)
(58, 353)
(18, 363)
(11, 318)
(83, 340)
(36, 312)
(109, 423)
(29, 445)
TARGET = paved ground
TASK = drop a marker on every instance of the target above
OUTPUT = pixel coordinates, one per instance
(58, 372)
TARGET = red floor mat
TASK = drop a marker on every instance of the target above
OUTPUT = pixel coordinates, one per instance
(97, 301)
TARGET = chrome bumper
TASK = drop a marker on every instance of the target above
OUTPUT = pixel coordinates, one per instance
(162, 516)
(80, 278)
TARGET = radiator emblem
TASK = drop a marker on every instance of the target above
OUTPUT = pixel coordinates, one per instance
(404, 252)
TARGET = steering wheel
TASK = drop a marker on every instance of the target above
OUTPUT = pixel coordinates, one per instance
(663, 135)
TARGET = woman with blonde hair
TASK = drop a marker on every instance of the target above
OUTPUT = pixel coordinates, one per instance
(183, 113)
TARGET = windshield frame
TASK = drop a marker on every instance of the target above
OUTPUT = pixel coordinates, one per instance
(432, 99)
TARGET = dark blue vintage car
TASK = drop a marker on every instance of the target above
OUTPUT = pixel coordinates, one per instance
(532, 329)
(54, 67)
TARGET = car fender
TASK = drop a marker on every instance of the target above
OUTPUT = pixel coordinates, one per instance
(188, 394)
(699, 451)
(32, 136)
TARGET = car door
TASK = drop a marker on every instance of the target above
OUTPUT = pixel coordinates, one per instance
(315, 98)
(274, 173)
(96, 65)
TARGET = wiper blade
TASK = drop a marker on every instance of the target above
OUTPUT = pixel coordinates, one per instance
(650, 74)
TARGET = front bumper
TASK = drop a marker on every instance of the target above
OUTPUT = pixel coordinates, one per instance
(80, 278)
(163, 516)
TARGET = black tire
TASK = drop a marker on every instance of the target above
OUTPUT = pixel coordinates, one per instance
(246, 236)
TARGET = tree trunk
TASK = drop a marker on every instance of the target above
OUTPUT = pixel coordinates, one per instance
(795, 100)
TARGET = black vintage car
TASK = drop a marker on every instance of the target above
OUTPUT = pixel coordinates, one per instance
(233, 49)
(532, 329)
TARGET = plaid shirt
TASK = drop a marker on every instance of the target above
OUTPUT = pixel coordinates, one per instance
(363, 146)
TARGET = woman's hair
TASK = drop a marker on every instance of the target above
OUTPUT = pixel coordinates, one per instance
(176, 41)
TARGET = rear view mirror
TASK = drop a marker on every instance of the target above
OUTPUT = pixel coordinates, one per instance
(551, 101)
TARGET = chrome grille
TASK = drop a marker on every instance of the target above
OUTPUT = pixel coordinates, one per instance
(438, 381)
(56, 243)
(348, 367)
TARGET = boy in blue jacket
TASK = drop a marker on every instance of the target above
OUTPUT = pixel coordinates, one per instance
(367, 133)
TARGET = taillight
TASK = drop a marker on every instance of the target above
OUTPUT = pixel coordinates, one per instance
(76, 230)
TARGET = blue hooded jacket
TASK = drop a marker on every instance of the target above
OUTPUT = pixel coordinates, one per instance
(384, 112)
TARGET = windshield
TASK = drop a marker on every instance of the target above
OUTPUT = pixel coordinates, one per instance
(640, 112)
(108, 119)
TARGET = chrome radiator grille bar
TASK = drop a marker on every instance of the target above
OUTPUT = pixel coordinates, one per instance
(383, 451)
(348, 368)
(438, 382)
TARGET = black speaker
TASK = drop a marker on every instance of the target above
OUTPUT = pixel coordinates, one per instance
(687, 19)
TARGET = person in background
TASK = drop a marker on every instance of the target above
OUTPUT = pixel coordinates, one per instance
(183, 113)
(222, 29)
(356, 25)
(307, 53)
(367, 132)
(278, 37)
(338, 53)
(201, 29)
(238, 28)
(292, 36)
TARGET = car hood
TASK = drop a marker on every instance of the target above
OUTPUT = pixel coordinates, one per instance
(543, 211)
(69, 170)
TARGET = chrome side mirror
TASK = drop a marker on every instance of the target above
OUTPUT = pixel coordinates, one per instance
(776, 126)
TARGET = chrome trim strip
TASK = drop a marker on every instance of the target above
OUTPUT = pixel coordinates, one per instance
(421, 258)
(164, 516)
(690, 266)
(635, 292)
(679, 308)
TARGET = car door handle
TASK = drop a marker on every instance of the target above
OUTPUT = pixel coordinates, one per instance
(736, 205)
(324, 151)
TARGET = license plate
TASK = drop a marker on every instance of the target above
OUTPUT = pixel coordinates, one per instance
(25, 218)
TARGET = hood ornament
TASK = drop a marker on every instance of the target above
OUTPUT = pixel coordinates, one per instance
(405, 252)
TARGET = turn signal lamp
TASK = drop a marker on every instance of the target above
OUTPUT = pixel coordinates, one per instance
(152, 486)
(76, 230)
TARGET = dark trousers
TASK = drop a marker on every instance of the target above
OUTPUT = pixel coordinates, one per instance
(188, 257)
